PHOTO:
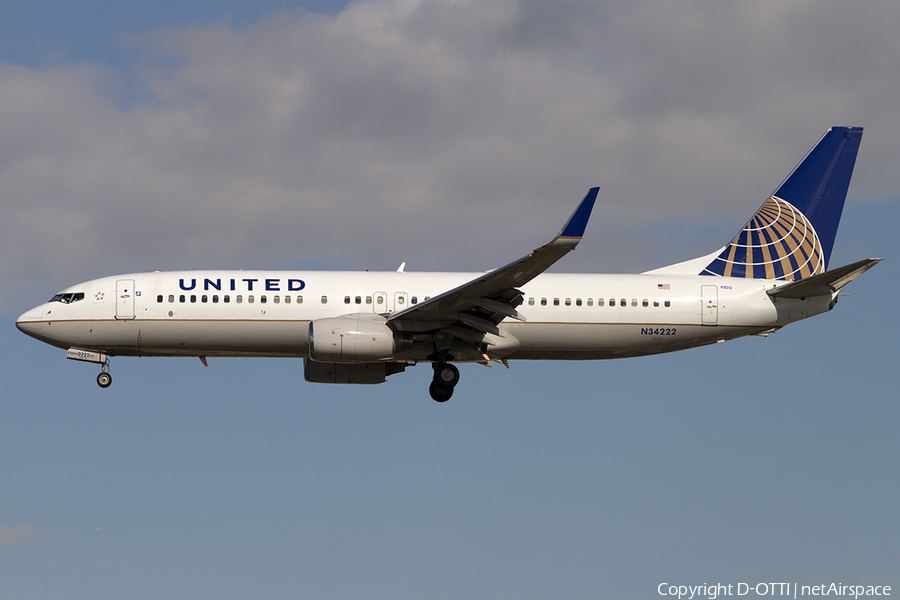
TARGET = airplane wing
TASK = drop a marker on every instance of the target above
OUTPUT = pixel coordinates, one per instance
(475, 308)
(824, 284)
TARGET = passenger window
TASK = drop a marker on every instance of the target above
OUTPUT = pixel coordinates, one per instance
(543, 302)
(668, 303)
(203, 298)
(239, 299)
(590, 301)
(299, 299)
(623, 302)
(193, 298)
(287, 299)
(399, 299)
(578, 302)
(634, 302)
(171, 298)
(159, 298)
(358, 299)
(568, 302)
(600, 302)
(226, 299)
(612, 301)
(368, 299)
(427, 298)
(276, 299)
(181, 298)
(656, 304)
(556, 302)
(414, 300)
(531, 302)
(346, 299)
(262, 299)
(379, 300)
(324, 299)
(215, 299)
(645, 303)
(250, 299)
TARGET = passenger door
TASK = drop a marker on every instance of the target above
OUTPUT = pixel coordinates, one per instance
(125, 299)
(710, 304)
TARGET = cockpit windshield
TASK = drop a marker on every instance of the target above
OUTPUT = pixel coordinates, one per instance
(68, 298)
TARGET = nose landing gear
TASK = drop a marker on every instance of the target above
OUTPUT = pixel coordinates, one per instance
(104, 379)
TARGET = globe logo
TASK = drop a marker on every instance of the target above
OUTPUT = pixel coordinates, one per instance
(779, 242)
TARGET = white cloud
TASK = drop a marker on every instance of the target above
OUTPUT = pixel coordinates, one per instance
(456, 130)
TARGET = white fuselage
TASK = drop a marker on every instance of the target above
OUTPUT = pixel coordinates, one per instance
(267, 313)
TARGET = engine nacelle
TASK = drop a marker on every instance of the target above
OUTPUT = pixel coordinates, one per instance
(351, 340)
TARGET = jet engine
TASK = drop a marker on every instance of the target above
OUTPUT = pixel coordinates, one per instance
(353, 340)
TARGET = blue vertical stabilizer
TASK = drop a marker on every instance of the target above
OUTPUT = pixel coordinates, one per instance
(792, 235)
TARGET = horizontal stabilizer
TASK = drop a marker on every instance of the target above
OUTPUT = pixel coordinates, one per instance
(824, 284)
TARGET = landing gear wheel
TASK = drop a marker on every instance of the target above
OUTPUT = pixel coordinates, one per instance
(446, 375)
(104, 380)
(439, 393)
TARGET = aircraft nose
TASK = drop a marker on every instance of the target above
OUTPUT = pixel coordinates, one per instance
(30, 322)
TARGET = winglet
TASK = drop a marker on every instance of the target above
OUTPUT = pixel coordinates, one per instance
(575, 226)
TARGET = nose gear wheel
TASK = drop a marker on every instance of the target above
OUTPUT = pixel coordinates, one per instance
(104, 379)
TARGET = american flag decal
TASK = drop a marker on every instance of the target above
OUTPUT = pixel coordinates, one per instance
(663, 286)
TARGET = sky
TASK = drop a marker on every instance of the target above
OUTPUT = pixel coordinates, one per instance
(450, 135)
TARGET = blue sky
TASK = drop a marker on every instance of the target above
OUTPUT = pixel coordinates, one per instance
(450, 135)
(58, 32)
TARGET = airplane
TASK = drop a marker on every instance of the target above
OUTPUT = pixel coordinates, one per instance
(361, 327)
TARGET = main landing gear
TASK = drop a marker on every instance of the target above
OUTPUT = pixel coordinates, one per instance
(446, 376)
